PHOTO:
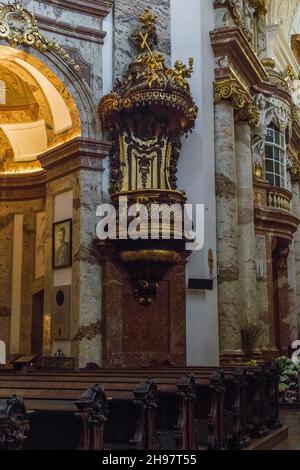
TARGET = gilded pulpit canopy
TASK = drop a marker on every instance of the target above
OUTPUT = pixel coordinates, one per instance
(147, 113)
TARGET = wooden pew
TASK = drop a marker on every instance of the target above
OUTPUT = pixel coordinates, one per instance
(3, 430)
(14, 423)
(272, 396)
(202, 399)
(247, 396)
(58, 400)
(244, 403)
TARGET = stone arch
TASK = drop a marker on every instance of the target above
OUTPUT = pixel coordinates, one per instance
(75, 85)
(56, 114)
(19, 28)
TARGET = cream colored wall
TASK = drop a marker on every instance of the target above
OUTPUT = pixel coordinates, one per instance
(190, 27)
(17, 272)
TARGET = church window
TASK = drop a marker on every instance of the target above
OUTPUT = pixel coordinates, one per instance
(276, 157)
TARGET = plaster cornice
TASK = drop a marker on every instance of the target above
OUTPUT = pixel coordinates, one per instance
(232, 43)
(22, 186)
(96, 8)
(77, 154)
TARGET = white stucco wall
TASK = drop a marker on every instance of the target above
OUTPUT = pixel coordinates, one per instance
(191, 22)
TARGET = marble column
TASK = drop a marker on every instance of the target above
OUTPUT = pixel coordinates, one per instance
(227, 235)
(282, 324)
(246, 224)
(262, 294)
(76, 168)
(294, 268)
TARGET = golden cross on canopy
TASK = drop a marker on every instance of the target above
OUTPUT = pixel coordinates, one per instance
(147, 37)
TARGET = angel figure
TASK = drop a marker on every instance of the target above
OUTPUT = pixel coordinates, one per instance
(266, 111)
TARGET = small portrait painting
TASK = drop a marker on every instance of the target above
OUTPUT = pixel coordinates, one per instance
(62, 244)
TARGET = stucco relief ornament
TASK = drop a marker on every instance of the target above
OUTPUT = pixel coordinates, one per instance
(259, 134)
(293, 167)
(19, 27)
(282, 114)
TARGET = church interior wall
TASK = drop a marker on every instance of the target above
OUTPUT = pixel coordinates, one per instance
(196, 172)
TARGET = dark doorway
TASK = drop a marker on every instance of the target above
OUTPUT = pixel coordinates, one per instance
(37, 325)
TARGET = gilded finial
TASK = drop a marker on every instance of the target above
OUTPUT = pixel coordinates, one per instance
(146, 38)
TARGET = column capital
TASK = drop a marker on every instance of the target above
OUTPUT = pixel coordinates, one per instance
(242, 103)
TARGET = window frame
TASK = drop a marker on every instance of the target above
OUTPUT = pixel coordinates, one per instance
(281, 161)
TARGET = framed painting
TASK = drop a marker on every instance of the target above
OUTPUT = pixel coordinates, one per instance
(62, 244)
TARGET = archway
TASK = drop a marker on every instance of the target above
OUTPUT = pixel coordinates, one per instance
(37, 111)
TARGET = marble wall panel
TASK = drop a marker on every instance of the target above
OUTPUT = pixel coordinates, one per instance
(126, 21)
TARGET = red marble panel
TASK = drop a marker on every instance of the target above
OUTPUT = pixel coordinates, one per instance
(146, 328)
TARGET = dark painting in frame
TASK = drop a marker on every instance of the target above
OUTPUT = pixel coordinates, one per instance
(62, 244)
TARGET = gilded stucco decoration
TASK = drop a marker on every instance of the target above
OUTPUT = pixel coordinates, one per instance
(147, 114)
(242, 102)
(19, 27)
(293, 167)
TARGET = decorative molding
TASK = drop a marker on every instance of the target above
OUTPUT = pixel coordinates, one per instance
(272, 214)
(23, 186)
(96, 8)
(77, 154)
(19, 27)
(231, 43)
(237, 15)
(75, 32)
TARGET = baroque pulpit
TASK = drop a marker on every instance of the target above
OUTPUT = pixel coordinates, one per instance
(144, 278)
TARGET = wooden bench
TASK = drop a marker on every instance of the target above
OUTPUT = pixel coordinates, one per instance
(251, 401)
(190, 407)
(58, 400)
(14, 423)
(185, 400)
(177, 391)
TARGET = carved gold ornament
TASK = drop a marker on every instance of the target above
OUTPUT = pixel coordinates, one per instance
(19, 27)
(150, 82)
(242, 103)
(258, 171)
(294, 167)
(290, 73)
(147, 114)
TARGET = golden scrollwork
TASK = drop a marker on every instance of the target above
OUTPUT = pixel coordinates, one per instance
(19, 27)
(239, 19)
(242, 103)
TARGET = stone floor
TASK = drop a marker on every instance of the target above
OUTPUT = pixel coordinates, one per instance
(291, 418)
